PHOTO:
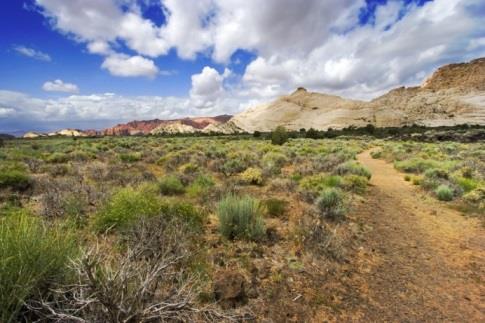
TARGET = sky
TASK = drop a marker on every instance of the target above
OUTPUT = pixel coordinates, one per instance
(94, 63)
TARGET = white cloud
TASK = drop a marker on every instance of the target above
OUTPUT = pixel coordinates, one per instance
(60, 86)
(207, 87)
(126, 66)
(32, 53)
(319, 44)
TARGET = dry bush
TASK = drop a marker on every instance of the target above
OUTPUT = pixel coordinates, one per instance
(146, 283)
(320, 238)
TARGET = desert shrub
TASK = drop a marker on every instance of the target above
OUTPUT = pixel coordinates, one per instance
(124, 207)
(376, 154)
(279, 136)
(436, 173)
(273, 161)
(252, 176)
(32, 257)
(200, 186)
(477, 196)
(355, 183)
(150, 280)
(240, 218)
(58, 157)
(352, 167)
(14, 179)
(407, 178)
(282, 185)
(430, 183)
(312, 186)
(444, 193)
(415, 165)
(417, 180)
(275, 207)
(189, 168)
(171, 185)
(130, 157)
(466, 184)
(183, 212)
(233, 166)
(80, 155)
(330, 204)
(319, 238)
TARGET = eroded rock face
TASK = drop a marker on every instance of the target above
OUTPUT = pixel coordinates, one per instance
(230, 289)
(453, 95)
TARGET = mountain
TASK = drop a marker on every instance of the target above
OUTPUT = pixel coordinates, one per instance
(185, 125)
(63, 132)
(454, 94)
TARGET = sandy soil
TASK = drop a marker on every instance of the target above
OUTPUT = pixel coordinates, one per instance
(419, 261)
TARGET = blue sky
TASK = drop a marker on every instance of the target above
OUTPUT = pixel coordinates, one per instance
(91, 63)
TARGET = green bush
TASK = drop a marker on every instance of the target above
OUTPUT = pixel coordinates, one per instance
(130, 157)
(124, 207)
(444, 193)
(279, 136)
(376, 154)
(183, 211)
(466, 184)
(355, 183)
(273, 161)
(415, 165)
(171, 185)
(352, 167)
(14, 179)
(58, 158)
(436, 173)
(252, 176)
(200, 186)
(331, 204)
(315, 184)
(240, 218)
(275, 207)
(32, 257)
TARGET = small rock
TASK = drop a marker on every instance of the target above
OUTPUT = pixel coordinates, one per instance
(230, 289)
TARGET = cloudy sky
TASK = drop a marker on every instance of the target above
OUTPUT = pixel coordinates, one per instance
(93, 63)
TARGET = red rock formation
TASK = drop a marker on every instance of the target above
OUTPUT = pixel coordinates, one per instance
(145, 126)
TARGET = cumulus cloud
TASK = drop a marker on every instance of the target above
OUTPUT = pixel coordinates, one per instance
(320, 45)
(126, 66)
(32, 53)
(20, 110)
(60, 86)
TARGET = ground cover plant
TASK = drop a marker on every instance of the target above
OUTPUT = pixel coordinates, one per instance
(450, 171)
(177, 221)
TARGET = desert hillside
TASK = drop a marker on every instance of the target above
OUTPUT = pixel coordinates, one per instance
(454, 94)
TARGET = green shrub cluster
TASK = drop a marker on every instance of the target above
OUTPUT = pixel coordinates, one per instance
(32, 258)
(275, 207)
(354, 168)
(171, 185)
(124, 207)
(252, 176)
(240, 218)
(130, 157)
(330, 204)
(14, 179)
(279, 136)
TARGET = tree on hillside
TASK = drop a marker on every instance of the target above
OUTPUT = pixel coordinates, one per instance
(279, 136)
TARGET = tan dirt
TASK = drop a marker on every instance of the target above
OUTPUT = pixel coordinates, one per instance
(420, 260)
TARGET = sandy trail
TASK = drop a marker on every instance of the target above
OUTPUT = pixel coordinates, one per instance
(420, 260)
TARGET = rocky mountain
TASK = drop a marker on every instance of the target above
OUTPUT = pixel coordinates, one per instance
(185, 125)
(63, 132)
(454, 94)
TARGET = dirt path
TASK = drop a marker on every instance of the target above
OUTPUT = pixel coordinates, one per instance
(420, 261)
